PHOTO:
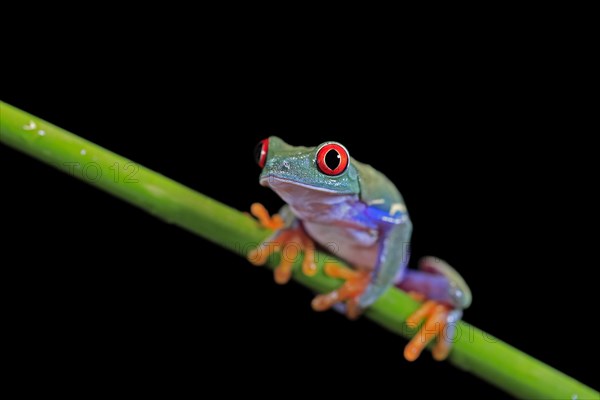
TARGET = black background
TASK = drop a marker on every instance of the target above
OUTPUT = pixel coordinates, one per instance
(489, 159)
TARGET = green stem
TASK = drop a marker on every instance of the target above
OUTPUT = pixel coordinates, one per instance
(474, 350)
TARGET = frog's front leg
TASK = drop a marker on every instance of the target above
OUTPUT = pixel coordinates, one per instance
(288, 233)
(356, 281)
(446, 294)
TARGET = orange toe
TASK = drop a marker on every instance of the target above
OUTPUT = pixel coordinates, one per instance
(350, 291)
(337, 271)
(324, 302)
(441, 349)
(423, 312)
(287, 240)
(435, 316)
(309, 267)
(266, 220)
(283, 272)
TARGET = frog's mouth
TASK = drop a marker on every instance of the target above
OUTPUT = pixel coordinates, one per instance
(280, 183)
(302, 195)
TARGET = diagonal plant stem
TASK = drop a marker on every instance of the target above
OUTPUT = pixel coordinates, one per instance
(474, 350)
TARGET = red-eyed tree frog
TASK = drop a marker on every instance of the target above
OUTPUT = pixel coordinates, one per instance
(354, 210)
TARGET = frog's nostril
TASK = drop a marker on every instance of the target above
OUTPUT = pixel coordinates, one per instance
(285, 165)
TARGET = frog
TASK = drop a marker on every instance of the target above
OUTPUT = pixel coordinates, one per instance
(338, 203)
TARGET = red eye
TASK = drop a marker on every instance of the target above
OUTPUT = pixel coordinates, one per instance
(332, 159)
(260, 152)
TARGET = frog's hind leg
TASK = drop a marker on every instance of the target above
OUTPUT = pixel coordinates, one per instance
(446, 294)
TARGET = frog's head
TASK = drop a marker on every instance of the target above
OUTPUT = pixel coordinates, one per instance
(294, 170)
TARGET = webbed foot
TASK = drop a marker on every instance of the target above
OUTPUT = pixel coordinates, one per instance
(289, 240)
(445, 295)
(439, 324)
(349, 292)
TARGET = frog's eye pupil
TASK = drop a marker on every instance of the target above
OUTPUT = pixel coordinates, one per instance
(332, 159)
(260, 152)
